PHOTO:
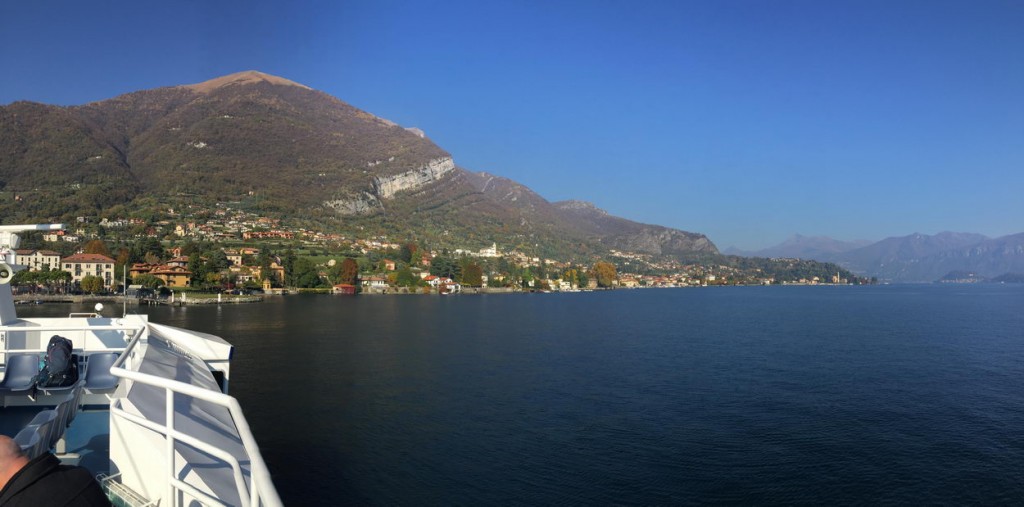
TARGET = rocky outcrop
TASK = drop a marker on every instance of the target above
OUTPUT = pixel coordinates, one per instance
(384, 187)
(663, 241)
(357, 205)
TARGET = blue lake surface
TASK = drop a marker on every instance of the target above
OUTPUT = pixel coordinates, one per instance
(907, 394)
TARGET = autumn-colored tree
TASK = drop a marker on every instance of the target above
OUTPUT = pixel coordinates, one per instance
(571, 276)
(605, 273)
(96, 246)
(349, 271)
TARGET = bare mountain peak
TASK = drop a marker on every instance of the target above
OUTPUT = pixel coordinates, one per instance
(246, 77)
(575, 205)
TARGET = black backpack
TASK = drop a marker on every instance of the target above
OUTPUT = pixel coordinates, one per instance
(59, 367)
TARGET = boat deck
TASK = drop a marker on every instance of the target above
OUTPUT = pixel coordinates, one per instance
(87, 439)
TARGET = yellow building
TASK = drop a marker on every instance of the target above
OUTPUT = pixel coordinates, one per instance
(83, 265)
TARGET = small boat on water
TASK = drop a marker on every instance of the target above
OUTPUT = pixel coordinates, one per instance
(149, 415)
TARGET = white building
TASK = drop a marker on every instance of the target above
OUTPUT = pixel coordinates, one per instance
(37, 260)
(83, 265)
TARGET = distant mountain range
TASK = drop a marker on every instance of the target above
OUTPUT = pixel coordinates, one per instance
(284, 149)
(912, 258)
(803, 247)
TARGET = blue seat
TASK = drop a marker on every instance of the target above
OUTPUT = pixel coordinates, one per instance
(76, 401)
(29, 440)
(58, 389)
(45, 424)
(97, 372)
(19, 377)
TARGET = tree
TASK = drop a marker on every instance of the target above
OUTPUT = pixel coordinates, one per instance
(406, 253)
(96, 246)
(349, 271)
(405, 278)
(92, 284)
(445, 266)
(472, 275)
(306, 274)
(571, 276)
(148, 281)
(288, 263)
(605, 273)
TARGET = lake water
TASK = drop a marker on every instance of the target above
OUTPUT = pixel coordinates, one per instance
(749, 395)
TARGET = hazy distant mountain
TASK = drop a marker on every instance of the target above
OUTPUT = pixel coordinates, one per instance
(819, 248)
(912, 258)
(920, 257)
(283, 149)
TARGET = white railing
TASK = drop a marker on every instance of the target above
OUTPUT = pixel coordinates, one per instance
(132, 333)
(261, 490)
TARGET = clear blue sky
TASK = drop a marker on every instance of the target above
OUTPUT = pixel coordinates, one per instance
(745, 120)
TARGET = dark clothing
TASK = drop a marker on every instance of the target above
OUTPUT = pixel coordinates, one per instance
(44, 482)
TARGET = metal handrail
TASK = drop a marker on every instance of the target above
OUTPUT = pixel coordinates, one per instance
(260, 475)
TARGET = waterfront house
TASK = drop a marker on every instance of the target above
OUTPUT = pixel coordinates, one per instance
(83, 265)
(173, 276)
(276, 273)
(141, 268)
(37, 260)
(375, 282)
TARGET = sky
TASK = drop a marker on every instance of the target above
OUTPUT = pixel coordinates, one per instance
(748, 121)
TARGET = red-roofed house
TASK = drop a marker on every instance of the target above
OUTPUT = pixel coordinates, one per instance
(82, 265)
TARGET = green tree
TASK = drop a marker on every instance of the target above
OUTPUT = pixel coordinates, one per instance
(288, 261)
(408, 250)
(405, 278)
(581, 278)
(148, 281)
(145, 250)
(472, 275)
(445, 266)
(306, 274)
(91, 284)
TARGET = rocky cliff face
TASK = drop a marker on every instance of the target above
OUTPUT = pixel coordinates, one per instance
(663, 241)
(384, 187)
(627, 235)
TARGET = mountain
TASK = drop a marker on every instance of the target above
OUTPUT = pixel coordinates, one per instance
(629, 236)
(285, 150)
(820, 248)
(920, 257)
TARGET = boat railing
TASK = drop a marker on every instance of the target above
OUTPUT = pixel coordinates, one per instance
(261, 490)
(131, 333)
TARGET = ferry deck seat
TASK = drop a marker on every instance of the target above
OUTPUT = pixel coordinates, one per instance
(45, 424)
(75, 398)
(58, 389)
(19, 376)
(66, 410)
(29, 440)
(98, 378)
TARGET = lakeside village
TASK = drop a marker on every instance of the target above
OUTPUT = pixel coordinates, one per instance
(242, 254)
